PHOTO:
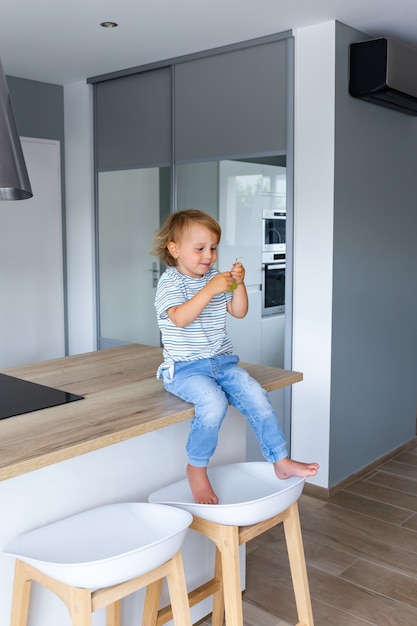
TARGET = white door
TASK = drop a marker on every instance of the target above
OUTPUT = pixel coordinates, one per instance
(127, 220)
(31, 263)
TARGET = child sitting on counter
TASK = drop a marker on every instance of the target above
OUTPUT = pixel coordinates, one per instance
(192, 301)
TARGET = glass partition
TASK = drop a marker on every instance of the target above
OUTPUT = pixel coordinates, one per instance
(131, 204)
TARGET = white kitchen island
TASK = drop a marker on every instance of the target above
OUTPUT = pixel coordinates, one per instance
(125, 439)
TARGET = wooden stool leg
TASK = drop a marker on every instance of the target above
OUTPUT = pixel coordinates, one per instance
(21, 596)
(298, 568)
(113, 614)
(80, 607)
(151, 605)
(178, 592)
(217, 617)
(228, 544)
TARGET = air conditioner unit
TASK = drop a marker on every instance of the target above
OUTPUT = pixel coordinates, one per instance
(384, 72)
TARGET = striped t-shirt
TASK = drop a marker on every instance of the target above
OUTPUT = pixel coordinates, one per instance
(206, 336)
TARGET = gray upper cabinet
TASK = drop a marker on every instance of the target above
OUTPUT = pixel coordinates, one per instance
(223, 104)
(232, 104)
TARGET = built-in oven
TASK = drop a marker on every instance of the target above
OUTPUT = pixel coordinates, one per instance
(273, 230)
(273, 283)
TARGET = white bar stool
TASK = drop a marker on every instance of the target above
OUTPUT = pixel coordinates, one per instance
(251, 500)
(94, 559)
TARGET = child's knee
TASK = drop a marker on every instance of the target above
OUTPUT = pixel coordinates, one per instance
(212, 406)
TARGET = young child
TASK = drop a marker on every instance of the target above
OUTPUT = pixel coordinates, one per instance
(192, 300)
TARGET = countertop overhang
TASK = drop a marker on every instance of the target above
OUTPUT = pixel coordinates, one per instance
(122, 399)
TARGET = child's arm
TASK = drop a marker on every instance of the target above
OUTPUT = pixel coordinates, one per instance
(238, 305)
(187, 312)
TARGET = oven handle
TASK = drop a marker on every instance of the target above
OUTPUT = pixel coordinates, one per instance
(273, 266)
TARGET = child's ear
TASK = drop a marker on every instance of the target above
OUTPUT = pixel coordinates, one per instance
(172, 249)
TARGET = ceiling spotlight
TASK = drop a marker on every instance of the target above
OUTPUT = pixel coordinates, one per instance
(108, 24)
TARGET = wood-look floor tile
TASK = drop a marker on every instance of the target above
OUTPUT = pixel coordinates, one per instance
(339, 533)
(255, 616)
(372, 508)
(328, 615)
(384, 581)
(394, 482)
(308, 504)
(326, 558)
(383, 494)
(400, 468)
(264, 589)
(411, 522)
(409, 456)
(359, 602)
(365, 527)
(269, 585)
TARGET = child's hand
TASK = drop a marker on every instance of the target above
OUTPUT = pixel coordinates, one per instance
(221, 282)
(238, 273)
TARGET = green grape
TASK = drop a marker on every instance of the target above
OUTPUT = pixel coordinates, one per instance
(232, 287)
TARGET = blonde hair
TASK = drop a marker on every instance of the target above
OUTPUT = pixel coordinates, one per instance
(173, 228)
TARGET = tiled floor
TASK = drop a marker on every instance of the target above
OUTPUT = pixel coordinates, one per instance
(361, 552)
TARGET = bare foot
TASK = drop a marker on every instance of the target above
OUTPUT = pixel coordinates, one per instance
(200, 485)
(285, 468)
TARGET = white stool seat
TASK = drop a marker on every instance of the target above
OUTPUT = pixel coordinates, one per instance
(251, 501)
(248, 493)
(106, 545)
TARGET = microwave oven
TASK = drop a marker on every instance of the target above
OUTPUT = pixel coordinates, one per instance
(273, 230)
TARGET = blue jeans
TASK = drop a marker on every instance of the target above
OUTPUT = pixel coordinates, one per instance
(211, 384)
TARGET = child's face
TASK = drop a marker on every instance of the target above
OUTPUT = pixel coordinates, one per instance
(196, 251)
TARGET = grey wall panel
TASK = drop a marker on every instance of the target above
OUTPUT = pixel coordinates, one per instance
(38, 108)
(234, 103)
(133, 120)
(374, 330)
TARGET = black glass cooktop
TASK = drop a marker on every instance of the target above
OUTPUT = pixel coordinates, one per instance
(19, 396)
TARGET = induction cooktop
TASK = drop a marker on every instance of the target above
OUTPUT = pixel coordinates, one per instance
(19, 396)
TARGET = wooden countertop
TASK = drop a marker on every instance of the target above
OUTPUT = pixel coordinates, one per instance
(122, 399)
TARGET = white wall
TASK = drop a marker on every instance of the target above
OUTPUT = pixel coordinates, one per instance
(355, 336)
(79, 176)
(32, 326)
(313, 251)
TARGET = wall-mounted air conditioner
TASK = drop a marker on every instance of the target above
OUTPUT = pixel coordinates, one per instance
(384, 72)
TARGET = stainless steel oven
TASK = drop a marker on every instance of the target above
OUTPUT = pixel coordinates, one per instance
(273, 230)
(273, 283)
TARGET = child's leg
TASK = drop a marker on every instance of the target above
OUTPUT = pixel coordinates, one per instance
(200, 485)
(193, 383)
(247, 395)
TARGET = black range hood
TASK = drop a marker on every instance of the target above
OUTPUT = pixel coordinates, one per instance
(14, 179)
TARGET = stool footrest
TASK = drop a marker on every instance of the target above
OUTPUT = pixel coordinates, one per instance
(195, 596)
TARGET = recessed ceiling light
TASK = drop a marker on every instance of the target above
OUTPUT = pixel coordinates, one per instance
(108, 24)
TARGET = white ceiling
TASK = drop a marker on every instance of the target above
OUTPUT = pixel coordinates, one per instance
(61, 41)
